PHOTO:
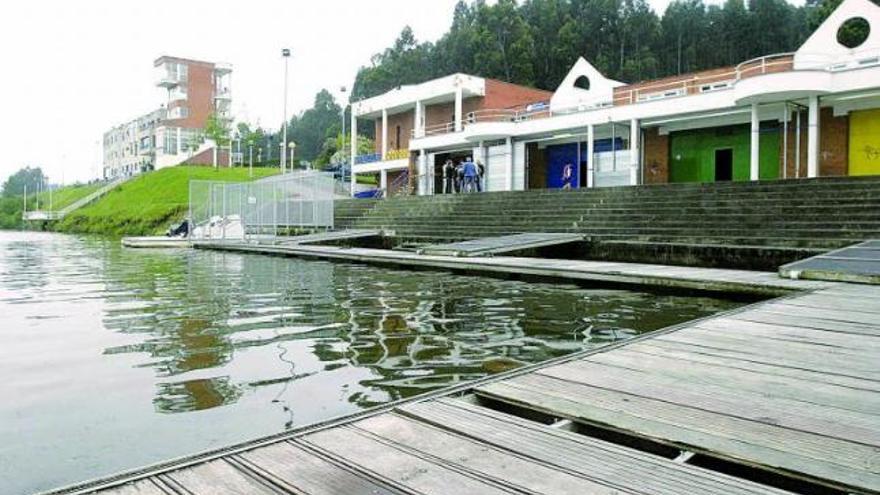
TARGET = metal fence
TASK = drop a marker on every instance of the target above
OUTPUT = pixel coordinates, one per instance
(278, 205)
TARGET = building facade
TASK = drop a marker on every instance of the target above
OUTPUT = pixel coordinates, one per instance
(172, 134)
(130, 148)
(814, 112)
(194, 91)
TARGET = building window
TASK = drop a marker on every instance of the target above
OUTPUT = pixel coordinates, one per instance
(582, 82)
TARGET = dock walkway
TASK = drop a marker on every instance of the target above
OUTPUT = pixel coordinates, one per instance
(485, 246)
(781, 396)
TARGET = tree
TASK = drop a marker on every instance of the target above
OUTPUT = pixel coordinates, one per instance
(217, 130)
(27, 177)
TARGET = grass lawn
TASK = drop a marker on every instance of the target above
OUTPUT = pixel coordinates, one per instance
(149, 203)
(67, 195)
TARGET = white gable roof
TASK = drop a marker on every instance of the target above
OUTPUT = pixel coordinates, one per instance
(822, 49)
(568, 95)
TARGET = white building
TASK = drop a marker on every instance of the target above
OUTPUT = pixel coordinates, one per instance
(814, 112)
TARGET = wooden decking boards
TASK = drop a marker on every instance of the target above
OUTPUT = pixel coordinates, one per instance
(858, 263)
(715, 279)
(502, 244)
(787, 389)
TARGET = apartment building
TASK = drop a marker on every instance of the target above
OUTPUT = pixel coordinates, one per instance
(130, 148)
(194, 90)
(811, 113)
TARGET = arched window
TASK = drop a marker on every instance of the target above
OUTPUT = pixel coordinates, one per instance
(582, 82)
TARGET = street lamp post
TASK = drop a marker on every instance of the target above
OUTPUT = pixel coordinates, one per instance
(342, 117)
(251, 157)
(292, 147)
(285, 53)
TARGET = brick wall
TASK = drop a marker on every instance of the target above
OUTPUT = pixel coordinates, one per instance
(833, 145)
(500, 94)
(405, 120)
(199, 96)
(207, 158)
(656, 156)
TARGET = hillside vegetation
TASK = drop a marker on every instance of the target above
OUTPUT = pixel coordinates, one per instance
(148, 204)
(67, 195)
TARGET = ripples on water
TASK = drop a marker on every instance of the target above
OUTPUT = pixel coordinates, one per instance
(114, 358)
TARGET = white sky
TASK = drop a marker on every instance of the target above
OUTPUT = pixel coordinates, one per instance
(73, 69)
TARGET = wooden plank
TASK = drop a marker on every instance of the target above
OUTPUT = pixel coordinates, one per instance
(762, 330)
(214, 477)
(772, 447)
(791, 354)
(142, 487)
(799, 415)
(687, 354)
(869, 319)
(396, 466)
(501, 244)
(299, 470)
(763, 316)
(728, 333)
(577, 453)
(850, 302)
(482, 460)
(743, 380)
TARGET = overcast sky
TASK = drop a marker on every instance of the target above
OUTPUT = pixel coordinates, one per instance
(73, 69)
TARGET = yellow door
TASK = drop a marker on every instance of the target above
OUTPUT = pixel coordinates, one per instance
(864, 142)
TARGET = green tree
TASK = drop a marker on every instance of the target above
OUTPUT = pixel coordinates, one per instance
(27, 177)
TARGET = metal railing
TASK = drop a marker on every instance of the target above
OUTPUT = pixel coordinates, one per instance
(667, 88)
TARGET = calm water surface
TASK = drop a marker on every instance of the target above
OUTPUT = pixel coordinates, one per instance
(113, 358)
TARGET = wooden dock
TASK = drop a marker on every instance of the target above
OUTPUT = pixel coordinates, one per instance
(329, 236)
(486, 246)
(859, 263)
(680, 277)
(156, 242)
(782, 396)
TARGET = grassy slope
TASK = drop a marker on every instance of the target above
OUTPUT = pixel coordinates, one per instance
(67, 195)
(149, 203)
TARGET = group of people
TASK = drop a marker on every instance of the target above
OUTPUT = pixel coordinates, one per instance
(466, 176)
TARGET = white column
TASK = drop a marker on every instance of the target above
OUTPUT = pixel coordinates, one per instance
(458, 108)
(635, 136)
(383, 182)
(755, 148)
(353, 150)
(423, 174)
(813, 138)
(417, 124)
(384, 133)
(590, 152)
(179, 144)
(509, 165)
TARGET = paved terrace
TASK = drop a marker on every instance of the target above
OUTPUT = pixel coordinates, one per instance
(784, 392)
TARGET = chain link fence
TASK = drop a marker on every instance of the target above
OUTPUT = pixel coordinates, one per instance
(263, 209)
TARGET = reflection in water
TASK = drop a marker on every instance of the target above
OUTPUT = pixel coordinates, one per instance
(176, 351)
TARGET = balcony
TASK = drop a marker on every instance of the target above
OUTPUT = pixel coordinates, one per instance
(223, 94)
(222, 68)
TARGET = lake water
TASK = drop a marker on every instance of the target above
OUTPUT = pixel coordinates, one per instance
(113, 358)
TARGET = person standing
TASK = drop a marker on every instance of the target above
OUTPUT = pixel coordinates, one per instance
(469, 171)
(459, 177)
(448, 177)
(567, 175)
(481, 173)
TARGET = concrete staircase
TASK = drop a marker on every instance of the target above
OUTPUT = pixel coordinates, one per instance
(743, 224)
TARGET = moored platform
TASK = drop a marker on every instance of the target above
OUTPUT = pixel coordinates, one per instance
(485, 246)
(156, 242)
(858, 263)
